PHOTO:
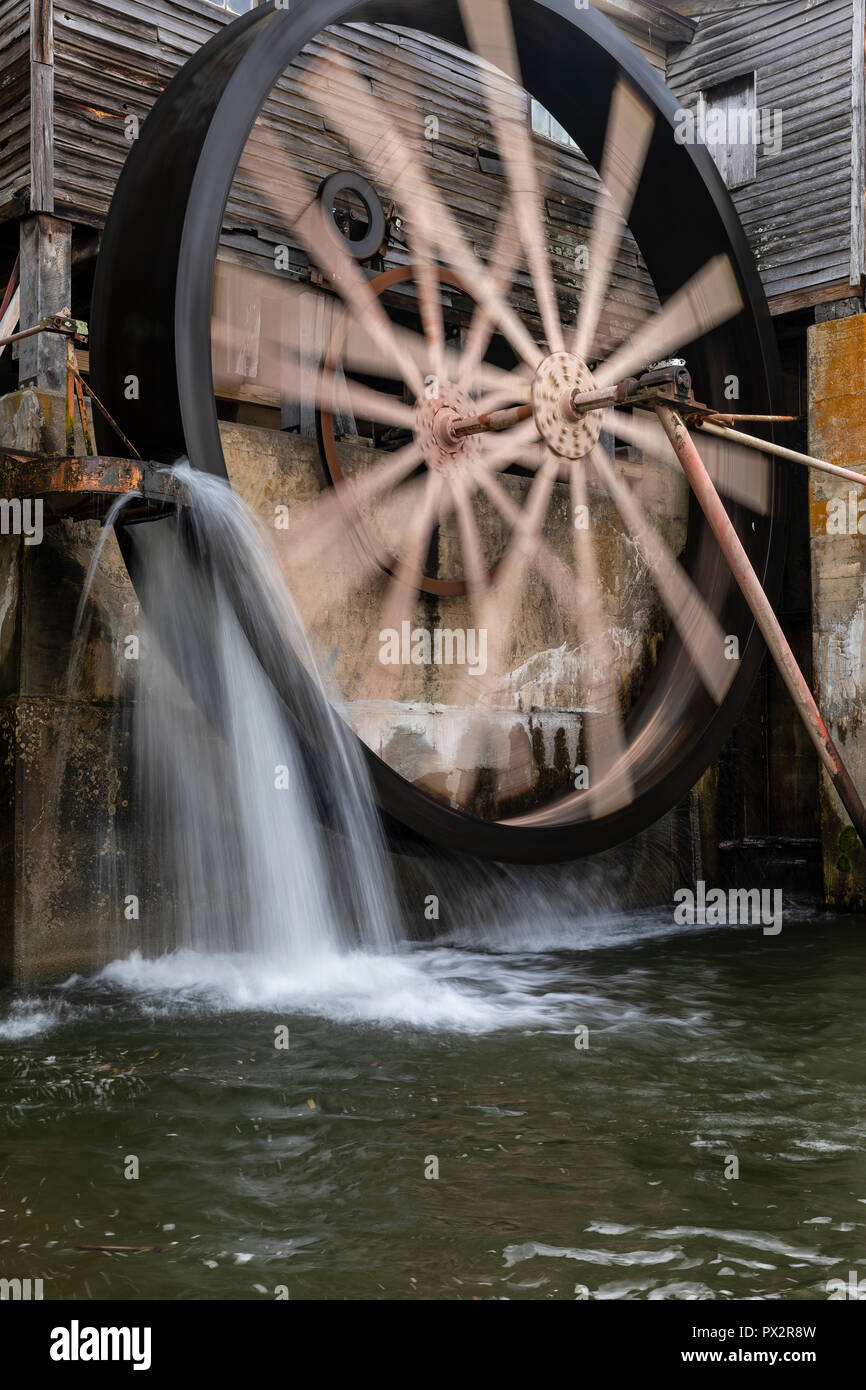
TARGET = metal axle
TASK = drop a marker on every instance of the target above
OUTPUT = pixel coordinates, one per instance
(493, 421)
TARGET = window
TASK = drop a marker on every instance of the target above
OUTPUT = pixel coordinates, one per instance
(729, 123)
(545, 124)
(234, 6)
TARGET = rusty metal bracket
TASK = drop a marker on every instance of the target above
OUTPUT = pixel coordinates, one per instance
(80, 386)
(62, 323)
(83, 489)
(74, 331)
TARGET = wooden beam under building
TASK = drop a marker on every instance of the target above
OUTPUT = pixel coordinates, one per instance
(46, 288)
(41, 106)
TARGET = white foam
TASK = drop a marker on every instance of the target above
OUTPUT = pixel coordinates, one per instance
(427, 989)
(27, 1018)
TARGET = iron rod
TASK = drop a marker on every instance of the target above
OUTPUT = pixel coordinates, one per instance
(97, 402)
(578, 403)
(778, 450)
(16, 337)
(493, 422)
(718, 418)
(70, 396)
(750, 585)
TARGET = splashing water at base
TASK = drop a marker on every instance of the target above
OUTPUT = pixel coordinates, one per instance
(581, 1074)
(256, 861)
(565, 1172)
(262, 833)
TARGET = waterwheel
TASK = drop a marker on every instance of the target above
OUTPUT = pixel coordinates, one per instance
(527, 619)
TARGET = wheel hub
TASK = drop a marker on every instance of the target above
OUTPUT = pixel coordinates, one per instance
(569, 435)
(436, 417)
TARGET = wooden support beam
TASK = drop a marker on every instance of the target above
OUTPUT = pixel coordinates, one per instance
(663, 20)
(41, 106)
(794, 300)
(46, 288)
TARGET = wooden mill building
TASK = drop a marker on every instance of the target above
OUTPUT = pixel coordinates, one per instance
(79, 77)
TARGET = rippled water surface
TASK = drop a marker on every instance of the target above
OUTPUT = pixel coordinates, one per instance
(560, 1170)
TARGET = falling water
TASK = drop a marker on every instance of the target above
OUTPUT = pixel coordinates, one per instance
(262, 831)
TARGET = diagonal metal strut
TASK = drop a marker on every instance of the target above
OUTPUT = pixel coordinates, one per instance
(750, 585)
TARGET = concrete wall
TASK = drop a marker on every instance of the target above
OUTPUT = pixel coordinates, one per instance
(837, 414)
(68, 817)
(60, 860)
(420, 722)
(67, 800)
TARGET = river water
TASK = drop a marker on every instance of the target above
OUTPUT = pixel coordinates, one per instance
(563, 1172)
(277, 1096)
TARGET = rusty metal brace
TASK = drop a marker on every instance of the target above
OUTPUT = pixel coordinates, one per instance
(53, 323)
(71, 398)
(714, 425)
(80, 386)
(74, 331)
(750, 585)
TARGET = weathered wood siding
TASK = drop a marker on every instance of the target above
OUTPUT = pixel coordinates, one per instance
(14, 104)
(412, 79)
(113, 57)
(798, 212)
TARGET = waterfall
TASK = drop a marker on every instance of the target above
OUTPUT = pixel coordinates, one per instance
(262, 835)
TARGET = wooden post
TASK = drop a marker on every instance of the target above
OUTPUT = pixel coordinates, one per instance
(46, 288)
(837, 431)
(46, 252)
(41, 106)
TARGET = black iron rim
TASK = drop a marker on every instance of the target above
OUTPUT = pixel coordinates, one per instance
(172, 195)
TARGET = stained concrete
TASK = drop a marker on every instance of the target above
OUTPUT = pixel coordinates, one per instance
(420, 720)
(64, 873)
(837, 432)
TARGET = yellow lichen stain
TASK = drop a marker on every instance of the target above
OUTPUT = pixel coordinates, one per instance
(817, 516)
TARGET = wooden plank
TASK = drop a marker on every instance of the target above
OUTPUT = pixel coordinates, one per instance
(794, 300)
(724, 43)
(858, 144)
(697, 8)
(42, 106)
(14, 105)
(41, 31)
(662, 20)
(46, 288)
(41, 137)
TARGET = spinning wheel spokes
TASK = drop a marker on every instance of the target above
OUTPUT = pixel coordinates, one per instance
(489, 30)
(629, 130)
(475, 485)
(606, 742)
(695, 622)
(738, 473)
(470, 420)
(710, 298)
(502, 266)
